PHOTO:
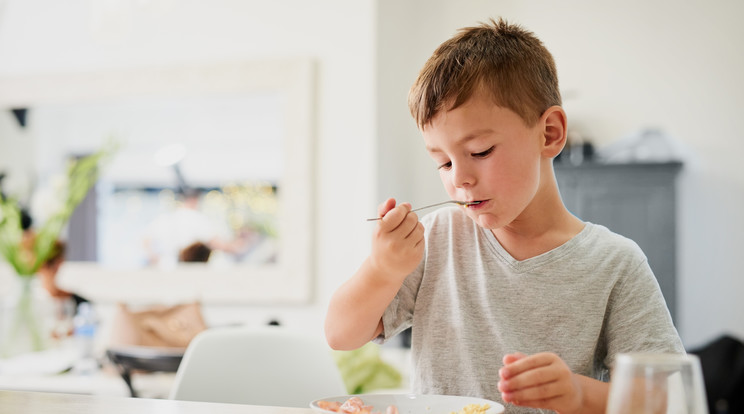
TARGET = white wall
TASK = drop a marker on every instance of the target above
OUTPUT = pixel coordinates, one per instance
(12, 137)
(46, 36)
(623, 66)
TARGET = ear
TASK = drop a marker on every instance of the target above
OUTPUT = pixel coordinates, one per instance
(554, 130)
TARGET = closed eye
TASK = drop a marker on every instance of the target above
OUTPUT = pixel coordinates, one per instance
(446, 166)
(483, 154)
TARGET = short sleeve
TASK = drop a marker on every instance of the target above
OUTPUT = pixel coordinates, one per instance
(638, 319)
(398, 316)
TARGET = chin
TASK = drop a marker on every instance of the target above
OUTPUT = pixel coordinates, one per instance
(487, 221)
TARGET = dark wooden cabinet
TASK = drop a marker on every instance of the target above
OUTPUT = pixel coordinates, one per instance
(636, 200)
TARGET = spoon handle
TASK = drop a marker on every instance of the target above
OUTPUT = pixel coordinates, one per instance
(429, 206)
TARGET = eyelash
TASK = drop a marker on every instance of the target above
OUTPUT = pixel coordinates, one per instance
(484, 153)
(476, 155)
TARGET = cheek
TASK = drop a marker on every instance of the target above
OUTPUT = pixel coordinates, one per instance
(454, 192)
(521, 178)
(525, 184)
(447, 183)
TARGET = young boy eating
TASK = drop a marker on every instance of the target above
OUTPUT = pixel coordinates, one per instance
(512, 298)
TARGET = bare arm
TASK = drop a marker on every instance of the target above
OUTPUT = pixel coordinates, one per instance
(594, 393)
(355, 311)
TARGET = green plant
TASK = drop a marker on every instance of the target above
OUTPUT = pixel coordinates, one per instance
(27, 253)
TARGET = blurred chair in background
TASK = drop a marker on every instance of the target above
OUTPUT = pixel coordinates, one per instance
(164, 326)
(153, 339)
(267, 365)
(722, 361)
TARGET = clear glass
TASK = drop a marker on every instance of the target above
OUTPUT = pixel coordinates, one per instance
(657, 384)
(21, 320)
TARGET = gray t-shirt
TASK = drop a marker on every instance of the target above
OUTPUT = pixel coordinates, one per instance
(469, 302)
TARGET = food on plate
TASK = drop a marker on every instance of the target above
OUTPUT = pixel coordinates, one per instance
(353, 405)
(473, 409)
(329, 405)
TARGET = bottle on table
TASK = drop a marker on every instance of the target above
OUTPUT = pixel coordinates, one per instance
(86, 325)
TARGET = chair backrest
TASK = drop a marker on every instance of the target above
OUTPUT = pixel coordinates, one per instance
(257, 365)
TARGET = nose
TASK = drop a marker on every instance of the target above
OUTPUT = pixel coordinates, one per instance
(462, 176)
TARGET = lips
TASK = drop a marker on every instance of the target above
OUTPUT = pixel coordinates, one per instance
(480, 205)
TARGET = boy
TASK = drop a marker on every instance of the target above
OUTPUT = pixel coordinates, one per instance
(513, 299)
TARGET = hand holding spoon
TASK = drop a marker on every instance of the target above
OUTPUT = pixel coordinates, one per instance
(462, 203)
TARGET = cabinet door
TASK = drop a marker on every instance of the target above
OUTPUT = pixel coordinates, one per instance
(636, 202)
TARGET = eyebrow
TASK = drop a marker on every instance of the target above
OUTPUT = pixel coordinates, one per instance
(469, 137)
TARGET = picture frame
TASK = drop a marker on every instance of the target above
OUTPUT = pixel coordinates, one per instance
(286, 281)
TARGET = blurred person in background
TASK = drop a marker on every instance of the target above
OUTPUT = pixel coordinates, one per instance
(174, 231)
(48, 275)
(196, 252)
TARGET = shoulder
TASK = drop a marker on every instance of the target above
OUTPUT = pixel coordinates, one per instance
(601, 254)
(622, 264)
(606, 243)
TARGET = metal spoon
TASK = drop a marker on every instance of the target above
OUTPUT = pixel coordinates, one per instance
(462, 203)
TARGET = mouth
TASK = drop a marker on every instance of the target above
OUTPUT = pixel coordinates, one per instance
(476, 204)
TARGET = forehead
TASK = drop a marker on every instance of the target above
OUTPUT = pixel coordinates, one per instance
(477, 116)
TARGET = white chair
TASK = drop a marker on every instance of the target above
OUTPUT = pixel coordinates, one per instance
(259, 366)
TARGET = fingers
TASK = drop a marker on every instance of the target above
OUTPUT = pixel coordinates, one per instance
(533, 371)
(403, 224)
(540, 380)
(417, 233)
(398, 240)
(519, 363)
(398, 217)
(509, 358)
(531, 390)
(522, 399)
(385, 206)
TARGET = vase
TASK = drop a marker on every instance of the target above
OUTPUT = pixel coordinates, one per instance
(23, 328)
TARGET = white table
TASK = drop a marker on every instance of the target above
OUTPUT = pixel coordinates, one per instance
(18, 402)
(48, 371)
(101, 383)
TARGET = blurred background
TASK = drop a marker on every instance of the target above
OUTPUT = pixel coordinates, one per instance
(656, 82)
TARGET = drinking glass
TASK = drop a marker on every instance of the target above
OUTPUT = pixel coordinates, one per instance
(657, 384)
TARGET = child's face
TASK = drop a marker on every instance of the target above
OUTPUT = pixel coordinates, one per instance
(486, 153)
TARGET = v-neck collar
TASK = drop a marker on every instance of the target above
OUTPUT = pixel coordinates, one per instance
(541, 259)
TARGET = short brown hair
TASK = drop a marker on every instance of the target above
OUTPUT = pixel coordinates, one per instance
(508, 61)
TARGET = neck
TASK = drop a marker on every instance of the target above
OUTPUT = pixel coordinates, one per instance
(544, 225)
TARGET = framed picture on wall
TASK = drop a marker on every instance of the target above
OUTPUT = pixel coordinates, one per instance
(235, 138)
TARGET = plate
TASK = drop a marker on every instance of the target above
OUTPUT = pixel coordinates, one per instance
(414, 403)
